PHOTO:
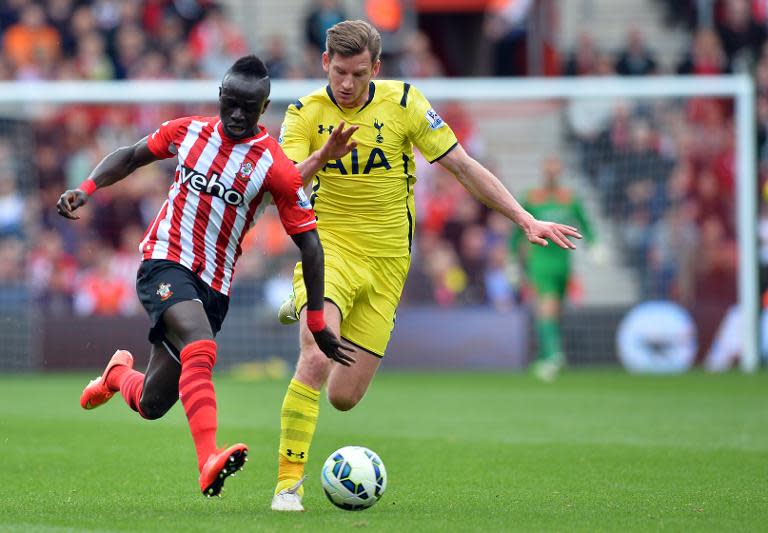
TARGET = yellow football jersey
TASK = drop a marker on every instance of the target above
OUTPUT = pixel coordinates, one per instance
(364, 202)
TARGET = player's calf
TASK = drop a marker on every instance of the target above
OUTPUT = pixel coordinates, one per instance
(347, 386)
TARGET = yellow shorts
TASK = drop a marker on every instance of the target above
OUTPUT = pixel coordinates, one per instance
(366, 290)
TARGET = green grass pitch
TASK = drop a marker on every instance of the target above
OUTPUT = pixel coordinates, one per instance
(595, 451)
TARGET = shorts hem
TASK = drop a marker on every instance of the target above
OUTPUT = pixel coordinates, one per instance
(325, 300)
(368, 350)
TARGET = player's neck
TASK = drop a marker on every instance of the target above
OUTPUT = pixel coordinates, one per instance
(360, 102)
(363, 98)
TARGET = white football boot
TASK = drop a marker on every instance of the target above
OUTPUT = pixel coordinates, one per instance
(548, 370)
(288, 499)
(287, 313)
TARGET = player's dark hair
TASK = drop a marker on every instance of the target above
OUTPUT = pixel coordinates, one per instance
(249, 65)
(352, 37)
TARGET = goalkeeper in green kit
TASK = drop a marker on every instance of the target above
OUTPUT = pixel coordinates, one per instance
(548, 268)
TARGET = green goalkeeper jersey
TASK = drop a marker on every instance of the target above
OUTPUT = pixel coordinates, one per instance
(558, 205)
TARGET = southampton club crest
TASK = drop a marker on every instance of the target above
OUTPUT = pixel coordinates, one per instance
(246, 169)
(164, 291)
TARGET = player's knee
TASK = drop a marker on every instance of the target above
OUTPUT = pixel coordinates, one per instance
(151, 410)
(313, 367)
(154, 408)
(548, 307)
(344, 400)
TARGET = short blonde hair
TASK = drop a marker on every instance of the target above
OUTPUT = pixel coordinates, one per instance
(352, 37)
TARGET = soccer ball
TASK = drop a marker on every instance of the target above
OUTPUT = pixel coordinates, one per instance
(354, 478)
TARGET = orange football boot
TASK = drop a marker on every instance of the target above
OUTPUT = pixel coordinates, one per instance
(97, 393)
(219, 466)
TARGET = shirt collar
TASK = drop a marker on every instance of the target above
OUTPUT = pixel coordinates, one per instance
(371, 92)
(258, 136)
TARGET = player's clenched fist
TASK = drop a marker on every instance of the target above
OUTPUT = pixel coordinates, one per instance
(70, 201)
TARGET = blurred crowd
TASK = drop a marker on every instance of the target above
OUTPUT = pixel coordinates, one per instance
(89, 267)
(663, 171)
(110, 39)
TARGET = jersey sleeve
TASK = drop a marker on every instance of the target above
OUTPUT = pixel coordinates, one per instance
(294, 134)
(293, 205)
(164, 142)
(430, 133)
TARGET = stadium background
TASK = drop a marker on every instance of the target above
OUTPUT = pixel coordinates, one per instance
(66, 289)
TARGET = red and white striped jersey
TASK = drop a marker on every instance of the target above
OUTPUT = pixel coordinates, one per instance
(220, 188)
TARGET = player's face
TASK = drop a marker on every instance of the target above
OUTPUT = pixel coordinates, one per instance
(349, 77)
(552, 170)
(242, 100)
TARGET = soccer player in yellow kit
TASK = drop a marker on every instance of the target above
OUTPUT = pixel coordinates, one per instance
(365, 216)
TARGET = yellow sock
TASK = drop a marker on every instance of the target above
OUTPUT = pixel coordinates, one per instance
(298, 420)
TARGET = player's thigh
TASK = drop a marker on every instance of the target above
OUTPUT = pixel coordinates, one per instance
(180, 306)
(186, 322)
(550, 288)
(314, 366)
(161, 380)
(348, 384)
(371, 319)
(343, 277)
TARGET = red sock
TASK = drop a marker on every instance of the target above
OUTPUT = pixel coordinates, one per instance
(130, 383)
(198, 397)
(115, 377)
(131, 389)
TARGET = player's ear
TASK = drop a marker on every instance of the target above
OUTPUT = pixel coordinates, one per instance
(326, 61)
(376, 68)
(265, 106)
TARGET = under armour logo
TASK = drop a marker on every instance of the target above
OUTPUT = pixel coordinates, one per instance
(291, 453)
(321, 129)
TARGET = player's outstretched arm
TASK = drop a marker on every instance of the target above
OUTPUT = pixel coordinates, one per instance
(314, 274)
(487, 188)
(338, 145)
(111, 169)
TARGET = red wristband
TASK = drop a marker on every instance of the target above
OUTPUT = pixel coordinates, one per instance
(88, 186)
(315, 320)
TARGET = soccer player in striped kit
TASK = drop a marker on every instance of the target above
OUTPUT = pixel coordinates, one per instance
(228, 169)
